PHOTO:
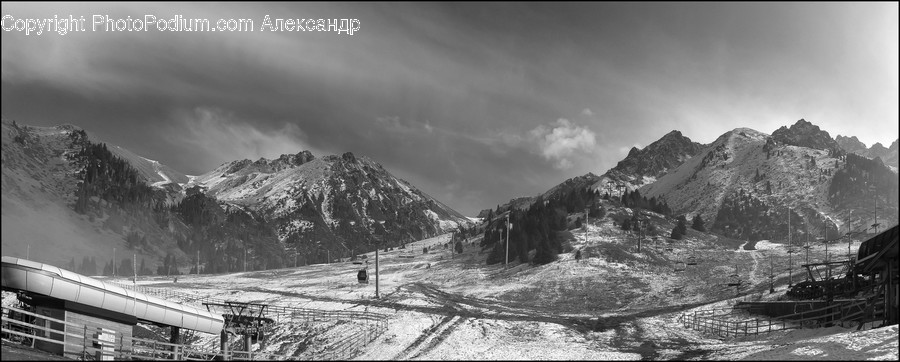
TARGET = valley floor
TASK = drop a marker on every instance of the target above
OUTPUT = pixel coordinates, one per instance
(606, 306)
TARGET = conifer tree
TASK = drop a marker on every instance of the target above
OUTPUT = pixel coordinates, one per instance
(697, 223)
(626, 224)
(680, 229)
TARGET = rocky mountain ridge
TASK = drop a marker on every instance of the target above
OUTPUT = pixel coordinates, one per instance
(746, 182)
(852, 144)
(640, 167)
(333, 205)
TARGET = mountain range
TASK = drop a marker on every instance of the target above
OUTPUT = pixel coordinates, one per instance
(853, 145)
(746, 182)
(65, 190)
(68, 194)
(640, 167)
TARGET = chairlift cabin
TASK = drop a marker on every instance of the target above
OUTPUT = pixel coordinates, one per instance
(691, 261)
(735, 281)
(363, 276)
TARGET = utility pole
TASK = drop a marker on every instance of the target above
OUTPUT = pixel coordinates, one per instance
(586, 216)
(114, 262)
(827, 268)
(825, 238)
(771, 275)
(198, 262)
(245, 258)
(507, 236)
(640, 232)
(807, 249)
(134, 268)
(790, 253)
(377, 291)
(849, 239)
(875, 199)
(28, 252)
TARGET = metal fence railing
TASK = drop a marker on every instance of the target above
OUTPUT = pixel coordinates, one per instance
(725, 323)
(362, 328)
(728, 322)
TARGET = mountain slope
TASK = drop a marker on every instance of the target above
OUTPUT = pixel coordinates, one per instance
(850, 144)
(805, 134)
(640, 167)
(744, 182)
(38, 191)
(155, 173)
(351, 198)
(68, 195)
(853, 145)
(645, 166)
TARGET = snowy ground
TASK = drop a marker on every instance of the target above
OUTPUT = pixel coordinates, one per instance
(611, 305)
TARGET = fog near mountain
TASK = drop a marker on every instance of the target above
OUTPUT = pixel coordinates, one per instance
(37, 188)
(69, 195)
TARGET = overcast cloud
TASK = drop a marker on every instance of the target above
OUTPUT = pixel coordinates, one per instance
(474, 103)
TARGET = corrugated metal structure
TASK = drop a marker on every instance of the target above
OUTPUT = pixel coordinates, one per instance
(47, 281)
(877, 259)
(866, 295)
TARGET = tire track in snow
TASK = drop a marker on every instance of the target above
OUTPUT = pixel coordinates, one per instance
(440, 337)
(430, 332)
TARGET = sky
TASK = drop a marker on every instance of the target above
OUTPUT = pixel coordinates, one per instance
(473, 103)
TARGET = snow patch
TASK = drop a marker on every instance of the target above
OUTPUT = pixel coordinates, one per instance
(445, 225)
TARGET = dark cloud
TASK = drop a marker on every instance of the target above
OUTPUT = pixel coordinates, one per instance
(474, 103)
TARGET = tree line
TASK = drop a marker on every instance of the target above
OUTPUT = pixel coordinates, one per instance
(227, 241)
